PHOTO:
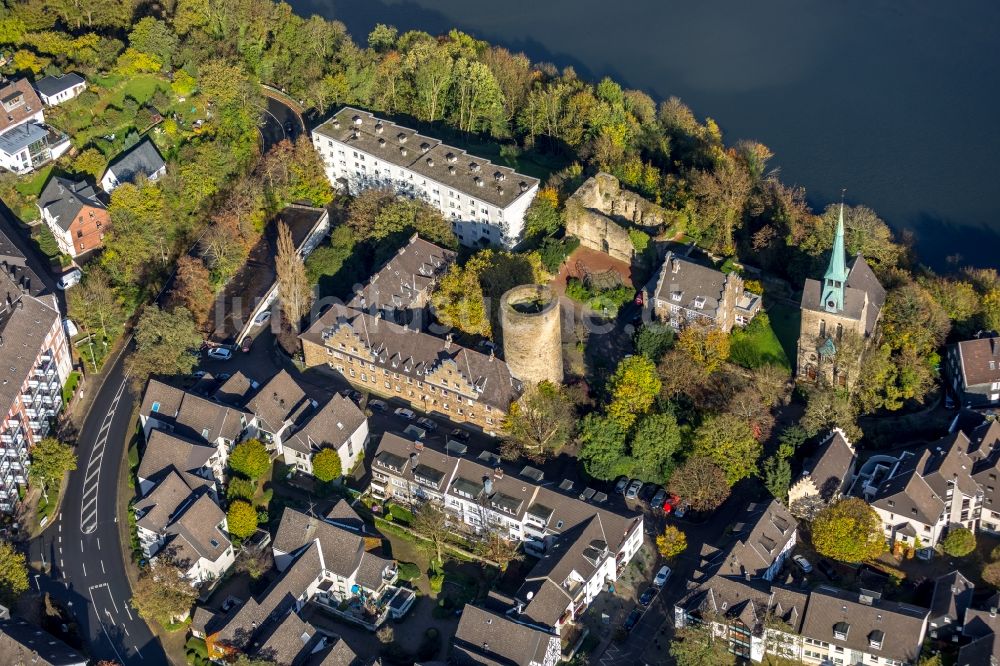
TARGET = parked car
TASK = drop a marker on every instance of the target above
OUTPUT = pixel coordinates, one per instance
(262, 318)
(621, 484)
(671, 503)
(632, 620)
(69, 279)
(220, 353)
(658, 499)
(459, 434)
(246, 344)
(681, 510)
(662, 576)
(633, 489)
(648, 596)
(427, 424)
(803, 564)
(378, 405)
(828, 570)
(405, 413)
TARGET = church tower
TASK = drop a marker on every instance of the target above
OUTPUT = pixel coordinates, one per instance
(836, 273)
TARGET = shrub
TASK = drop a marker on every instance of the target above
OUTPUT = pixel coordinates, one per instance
(250, 458)
(959, 542)
(995, 554)
(554, 252)
(399, 513)
(408, 571)
(578, 291)
(240, 488)
(242, 519)
(436, 582)
(430, 645)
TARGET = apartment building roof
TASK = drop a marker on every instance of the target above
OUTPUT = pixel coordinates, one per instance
(852, 620)
(690, 285)
(19, 101)
(331, 425)
(752, 602)
(197, 531)
(25, 321)
(979, 360)
(414, 354)
(907, 494)
(984, 448)
(342, 548)
(342, 514)
(160, 505)
(952, 597)
(831, 464)
(861, 287)
(24, 643)
(983, 627)
(20, 264)
(63, 199)
(191, 415)
(338, 654)
(53, 85)
(403, 147)
(142, 159)
(284, 641)
(409, 273)
(167, 452)
(485, 637)
(766, 534)
(279, 401)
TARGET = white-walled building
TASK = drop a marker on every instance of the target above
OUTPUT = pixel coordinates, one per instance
(485, 202)
(25, 141)
(339, 424)
(55, 90)
(142, 160)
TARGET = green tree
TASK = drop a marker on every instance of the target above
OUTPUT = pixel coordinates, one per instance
(653, 340)
(848, 531)
(603, 451)
(192, 289)
(431, 522)
(495, 544)
(95, 305)
(241, 519)
(166, 343)
(633, 388)
(161, 593)
(697, 645)
(671, 543)
(701, 483)
(459, 302)
(959, 542)
(828, 408)
(240, 488)
(13, 573)
(50, 460)
(250, 458)
(708, 347)
(326, 465)
(90, 162)
(730, 442)
(778, 477)
(790, 439)
(656, 439)
(542, 217)
(153, 37)
(541, 421)
(381, 214)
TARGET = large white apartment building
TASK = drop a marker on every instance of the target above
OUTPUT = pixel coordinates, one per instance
(485, 202)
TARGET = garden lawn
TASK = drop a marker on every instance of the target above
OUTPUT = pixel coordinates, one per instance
(785, 321)
(32, 187)
(757, 345)
(140, 87)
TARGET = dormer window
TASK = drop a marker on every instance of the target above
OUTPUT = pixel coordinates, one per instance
(875, 639)
(699, 302)
(676, 296)
(840, 631)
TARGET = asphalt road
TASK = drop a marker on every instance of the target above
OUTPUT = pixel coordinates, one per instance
(81, 548)
(278, 117)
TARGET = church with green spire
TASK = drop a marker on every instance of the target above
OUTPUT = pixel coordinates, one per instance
(839, 317)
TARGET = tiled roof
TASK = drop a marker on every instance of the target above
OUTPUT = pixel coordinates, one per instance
(760, 545)
(166, 451)
(14, 262)
(409, 273)
(282, 642)
(483, 633)
(53, 85)
(199, 527)
(343, 514)
(452, 167)
(21, 94)
(142, 159)
(236, 390)
(980, 360)
(63, 199)
(907, 494)
(192, 415)
(280, 400)
(22, 643)
(163, 502)
(339, 654)
(331, 425)
(952, 596)
(25, 321)
(831, 464)
(342, 549)
(750, 601)
(983, 627)
(414, 354)
(548, 602)
(685, 283)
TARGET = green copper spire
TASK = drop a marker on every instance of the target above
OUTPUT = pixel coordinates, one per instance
(836, 272)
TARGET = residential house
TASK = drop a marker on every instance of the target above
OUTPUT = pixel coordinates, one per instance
(841, 313)
(766, 535)
(36, 359)
(75, 214)
(236, 390)
(24, 644)
(973, 366)
(582, 545)
(430, 374)
(826, 476)
(279, 407)
(982, 629)
(165, 452)
(687, 292)
(26, 142)
(339, 424)
(484, 202)
(141, 160)
(179, 516)
(486, 638)
(951, 599)
(24, 267)
(401, 290)
(55, 90)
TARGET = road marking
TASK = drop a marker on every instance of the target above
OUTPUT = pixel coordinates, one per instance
(98, 543)
(60, 526)
(62, 566)
(102, 567)
(129, 613)
(37, 584)
(125, 629)
(81, 546)
(88, 519)
(105, 629)
(84, 569)
(60, 539)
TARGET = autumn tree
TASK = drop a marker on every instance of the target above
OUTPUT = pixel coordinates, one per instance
(96, 305)
(192, 289)
(730, 443)
(495, 544)
(633, 388)
(848, 531)
(431, 522)
(828, 408)
(240, 488)
(656, 440)
(959, 542)
(722, 195)
(250, 458)
(382, 215)
(701, 483)
(707, 346)
(293, 284)
(50, 460)
(671, 543)
(653, 340)
(326, 465)
(459, 302)
(697, 645)
(161, 592)
(166, 343)
(241, 519)
(541, 421)
(13, 573)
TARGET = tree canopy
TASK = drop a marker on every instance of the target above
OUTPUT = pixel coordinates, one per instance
(250, 458)
(849, 531)
(50, 460)
(326, 465)
(633, 388)
(959, 542)
(13, 573)
(166, 343)
(242, 519)
(730, 443)
(701, 483)
(541, 421)
(671, 542)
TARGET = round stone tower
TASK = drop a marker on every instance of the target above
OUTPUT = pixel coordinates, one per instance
(532, 335)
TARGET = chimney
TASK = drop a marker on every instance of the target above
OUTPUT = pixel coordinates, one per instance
(447, 342)
(487, 485)
(418, 445)
(675, 265)
(497, 473)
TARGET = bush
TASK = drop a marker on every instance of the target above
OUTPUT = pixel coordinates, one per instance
(408, 571)
(578, 291)
(436, 582)
(995, 554)
(240, 488)
(959, 542)
(430, 645)
(399, 513)
(554, 252)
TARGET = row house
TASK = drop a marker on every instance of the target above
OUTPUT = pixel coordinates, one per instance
(487, 637)
(686, 292)
(925, 492)
(825, 625)
(36, 359)
(972, 368)
(26, 142)
(430, 374)
(484, 202)
(339, 424)
(765, 537)
(582, 546)
(826, 476)
(75, 214)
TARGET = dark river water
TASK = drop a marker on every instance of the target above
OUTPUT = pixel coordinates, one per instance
(895, 100)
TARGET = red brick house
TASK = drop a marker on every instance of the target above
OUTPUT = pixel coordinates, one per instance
(76, 215)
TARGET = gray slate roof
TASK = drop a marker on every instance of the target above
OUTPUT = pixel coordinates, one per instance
(831, 465)
(331, 425)
(768, 531)
(407, 275)
(142, 159)
(983, 627)
(749, 601)
(283, 642)
(64, 199)
(25, 321)
(191, 415)
(860, 281)
(278, 401)
(14, 262)
(952, 597)
(53, 85)
(690, 280)
(166, 451)
(482, 633)
(24, 643)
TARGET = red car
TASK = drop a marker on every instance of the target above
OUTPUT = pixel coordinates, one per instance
(671, 503)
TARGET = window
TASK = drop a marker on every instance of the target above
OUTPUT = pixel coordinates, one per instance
(155, 407)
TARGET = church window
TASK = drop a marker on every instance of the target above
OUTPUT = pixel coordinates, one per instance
(840, 331)
(822, 327)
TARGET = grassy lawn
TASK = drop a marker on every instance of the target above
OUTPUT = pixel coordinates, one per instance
(32, 187)
(785, 320)
(758, 345)
(69, 388)
(140, 87)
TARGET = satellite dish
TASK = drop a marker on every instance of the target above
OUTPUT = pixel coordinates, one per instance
(530, 595)
(355, 589)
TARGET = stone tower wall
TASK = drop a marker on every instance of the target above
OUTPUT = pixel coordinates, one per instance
(532, 335)
(600, 211)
